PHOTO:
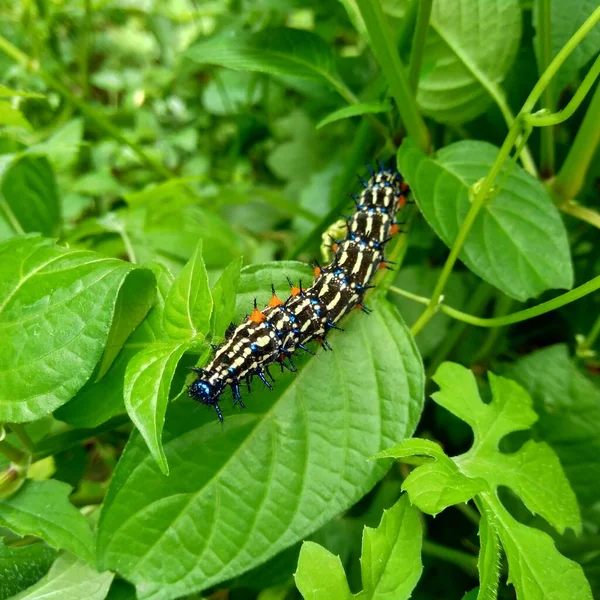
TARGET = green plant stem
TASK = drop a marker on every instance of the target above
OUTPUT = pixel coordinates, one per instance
(84, 67)
(409, 22)
(418, 43)
(469, 512)
(504, 152)
(20, 432)
(96, 116)
(591, 338)
(492, 341)
(581, 212)
(544, 53)
(465, 561)
(516, 317)
(570, 178)
(13, 454)
(387, 55)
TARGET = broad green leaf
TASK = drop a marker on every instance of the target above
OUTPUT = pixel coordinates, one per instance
(42, 508)
(147, 383)
(84, 410)
(354, 110)
(568, 404)
(518, 242)
(62, 147)
(566, 17)
(391, 554)
(243, 491)
(28, 193)
(21, 567)
(488, 563)
(470, 47)
(320, 574)
(12, 117)
(56, 308)
(224, 295)
(6, 92)
(189, 304)
(438, 484)
(69, 579)
(277, 51)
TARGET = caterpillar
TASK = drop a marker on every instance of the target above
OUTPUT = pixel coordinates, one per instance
(273, 334)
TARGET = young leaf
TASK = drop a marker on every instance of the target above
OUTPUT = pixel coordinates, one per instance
(56, 307)
(28, 188)
(268, 476)
(21, 567)
(69, 578)
(278, 51)
(569, 407)
(147, 383)
(27, 513)
(320, 574)
(518, 242)
(470, 48)
(189, 304)
(390, 562)
(354, 110)
(224, 293)
(488, 563)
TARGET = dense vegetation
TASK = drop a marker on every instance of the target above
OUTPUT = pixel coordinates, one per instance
(164, 163)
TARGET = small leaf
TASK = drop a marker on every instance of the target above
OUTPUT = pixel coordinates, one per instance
(224, 293)
(354, 110)
(12, 117)
(69, 579)
(28, 189)
(278, 51)
(320, 575)
(147, 383)
(56, 307)
(488, 563)
(189, 304)
(518, 242)
(6, 92)
(27, 513)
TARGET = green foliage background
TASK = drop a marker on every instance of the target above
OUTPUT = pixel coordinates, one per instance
(163, 164)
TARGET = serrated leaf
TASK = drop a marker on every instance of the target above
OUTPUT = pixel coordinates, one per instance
(21, 567)
(189, 304)
(69, 579)
(518, 242)
(56, 308)
(568, 404)
(28, 191)
(278, 51)
(224, 294)
(488, 563)
(470, 47)
(147, 383)
(26, 513)
(354, 110)
(269, 476)
(320, 575)
(84, 410)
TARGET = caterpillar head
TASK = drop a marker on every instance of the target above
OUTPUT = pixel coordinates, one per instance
(205, 392)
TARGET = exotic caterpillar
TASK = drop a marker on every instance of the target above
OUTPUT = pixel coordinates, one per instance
(273, 334)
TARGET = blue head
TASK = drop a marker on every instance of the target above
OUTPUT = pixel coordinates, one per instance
(206, 393)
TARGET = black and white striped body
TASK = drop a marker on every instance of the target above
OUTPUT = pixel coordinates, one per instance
(275, 333)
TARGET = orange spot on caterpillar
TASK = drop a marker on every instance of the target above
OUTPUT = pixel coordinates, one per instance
(317, 271)
(394, 229)
(257, 316)
(335, 247)
(275, 301)
(295, 290)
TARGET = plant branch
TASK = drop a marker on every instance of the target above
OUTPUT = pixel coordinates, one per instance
(516, 317)
(465, 561)
(581, 212)
(387, 56)
(418, 43)
(544, 53)
(15, 455)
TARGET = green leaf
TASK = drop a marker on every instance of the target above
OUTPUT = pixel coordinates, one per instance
(224, 295)
(62, 147)
(390, 562)
(56, 308)
(147, 383)
(27, 513)
(6, 92)
(518, 242)
(28, 193)
(84, 410)
(488, 563)
(21, 567)
(269, 475)
(354, 110)
(69, 579)
(438, 484)
(470, 48)
(12, 117)
(189, 304)
(569, 407)
(278, 51)
(320, 574)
